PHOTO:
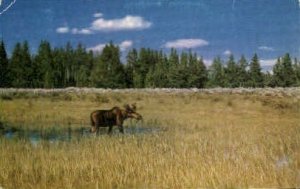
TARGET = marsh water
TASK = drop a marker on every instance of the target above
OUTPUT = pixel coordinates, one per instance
(56, 134)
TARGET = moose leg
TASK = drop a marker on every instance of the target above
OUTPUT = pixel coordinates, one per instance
(93, 129)
(110, 129)
(96, 128)
(120, 123)
(98, 131)
(121, 129)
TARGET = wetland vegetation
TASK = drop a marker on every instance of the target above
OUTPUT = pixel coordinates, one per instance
(189, 138)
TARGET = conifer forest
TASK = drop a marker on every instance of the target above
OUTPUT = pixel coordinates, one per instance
(70, 66)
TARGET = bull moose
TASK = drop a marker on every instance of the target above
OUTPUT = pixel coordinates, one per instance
(113, 117)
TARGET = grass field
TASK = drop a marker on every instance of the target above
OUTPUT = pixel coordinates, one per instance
(207, 139)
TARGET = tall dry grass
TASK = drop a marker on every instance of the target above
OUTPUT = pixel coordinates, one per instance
(206, 140)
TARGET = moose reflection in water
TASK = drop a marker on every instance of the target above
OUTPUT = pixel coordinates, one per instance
(113, 117)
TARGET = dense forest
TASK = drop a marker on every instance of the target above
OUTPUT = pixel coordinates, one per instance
(76, 67)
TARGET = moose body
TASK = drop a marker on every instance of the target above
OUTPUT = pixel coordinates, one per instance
(113, 117)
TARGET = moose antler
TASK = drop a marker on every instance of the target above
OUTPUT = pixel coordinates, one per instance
(133, 106)
(126, 106)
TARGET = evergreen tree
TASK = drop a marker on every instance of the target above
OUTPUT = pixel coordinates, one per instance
(108, 71)
(44, 66)
(176, 76)
(4, 70)
(82, 62)
(288, 72)
(58, 68)
(197, 77)
(69, 66)
(132, 70)
(278, 75)
(231, 73)
(284, 73)
(21, 66)
(145, 62)
(149, 80)
(216, 74)
(179, 72)
(28, 65)
(242, 74)
(156, 76)
(186, 59)
(16, 68)
(297, 71)
(160, 78)
(268, 80)
(256, 76)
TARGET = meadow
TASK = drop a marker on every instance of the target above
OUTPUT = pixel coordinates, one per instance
(212, 138)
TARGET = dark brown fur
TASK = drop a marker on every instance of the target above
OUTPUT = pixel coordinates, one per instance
(112, 117)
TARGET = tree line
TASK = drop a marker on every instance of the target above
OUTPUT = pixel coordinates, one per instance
(76, 67)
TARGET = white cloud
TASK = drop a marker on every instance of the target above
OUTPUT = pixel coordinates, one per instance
(100, 24)
(208, 62)
(98, 14)
(227, 52)
(127, 23)
(123, 46)
(85, 31)
(266, 48)
(65, 29)
(62, 30)
(186, 43)
(97, 48)
(267, 62)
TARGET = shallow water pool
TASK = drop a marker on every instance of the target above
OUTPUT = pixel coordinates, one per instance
(56, 134)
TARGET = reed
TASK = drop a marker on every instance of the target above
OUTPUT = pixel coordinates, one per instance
(205, 140)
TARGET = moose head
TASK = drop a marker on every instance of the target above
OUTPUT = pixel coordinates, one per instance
(130, 111)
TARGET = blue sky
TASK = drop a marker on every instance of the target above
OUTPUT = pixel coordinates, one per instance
(209, 27)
